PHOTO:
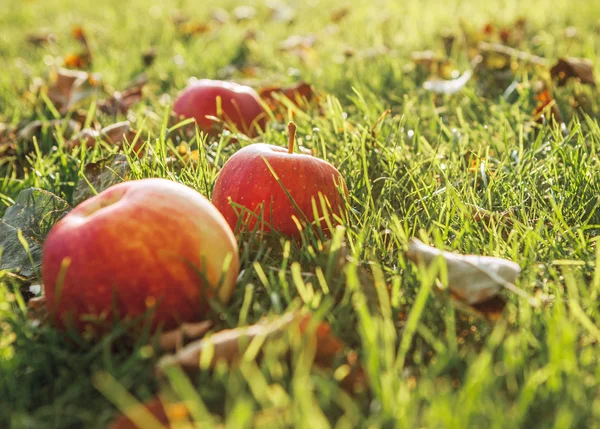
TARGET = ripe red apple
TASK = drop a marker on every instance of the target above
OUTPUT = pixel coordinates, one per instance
(247, 181)
(142, 245)
(235, 104)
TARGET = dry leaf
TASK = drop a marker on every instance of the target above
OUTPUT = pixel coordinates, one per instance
(77, 61)
(453, 86)
(148, 56)
(166, 414)
(243, 13)
(121, 101)
(511, 53)
(115, 134)
(488, 217)
(295, 43)
(339, 14)
(220, 16)
(227, 345)
(429, 62)
(37, 310)
(173, 340)
(281, 12)
(299, 93)
(69, 87)
(578, 68)
(230, 345)
(33, 129)
(41, 38)
(545, 102)
(473, 279)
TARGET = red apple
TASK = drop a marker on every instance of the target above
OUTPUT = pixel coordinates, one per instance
(142, 245)
(247, 181)
(235, 104)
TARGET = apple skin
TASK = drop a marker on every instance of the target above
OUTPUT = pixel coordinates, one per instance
(240, 106)
(247, 180)
(133, 248)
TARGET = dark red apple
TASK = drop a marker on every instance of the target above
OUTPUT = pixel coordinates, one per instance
(142, 245)
(247, 180)
(235, 104)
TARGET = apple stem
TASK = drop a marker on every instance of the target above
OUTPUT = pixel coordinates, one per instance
(292, 137)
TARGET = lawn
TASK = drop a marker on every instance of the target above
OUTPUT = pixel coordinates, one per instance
(502, 164)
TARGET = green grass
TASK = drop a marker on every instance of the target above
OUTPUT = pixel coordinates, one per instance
(428, 365)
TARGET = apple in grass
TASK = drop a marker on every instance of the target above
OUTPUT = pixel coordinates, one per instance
(272, 188)
(235, 104)
(148, 246)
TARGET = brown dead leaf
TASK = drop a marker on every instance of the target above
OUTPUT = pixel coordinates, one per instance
(546, 107)
(148, 56)
(281, 12)
(69, 87)
(339, 14)
(243, 13)
(488, 217)
(472, 279)
(37, 311)
(77, 61)
(121, 101)
(230, 345)
(299, 93)
(220, 16)
(41, 38)
(296, 43)
(115, 134)
(82, 59)
(173, 340)
(34, 128)
(510, 53)
(165, 414)
(573, 68)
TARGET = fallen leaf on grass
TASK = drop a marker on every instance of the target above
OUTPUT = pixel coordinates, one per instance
(472, 279)
(77, 61)
(510, 53)
(573, 68)
(70, 87)
(453, 86)
(339, 14)
(82, 59)
(165, 414)
(148, 56)
(121, 101)
(243, 13)
(299, 93)
(173, 340)
(100, 176)
(546, 104)
(296, 43)
(115, 134)
(488, 217)
(41, 38)
(281, 12)
(37, 310)
(430, 63)
(33, 214)
(335, 262)
(230, 345)
(32, 129)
